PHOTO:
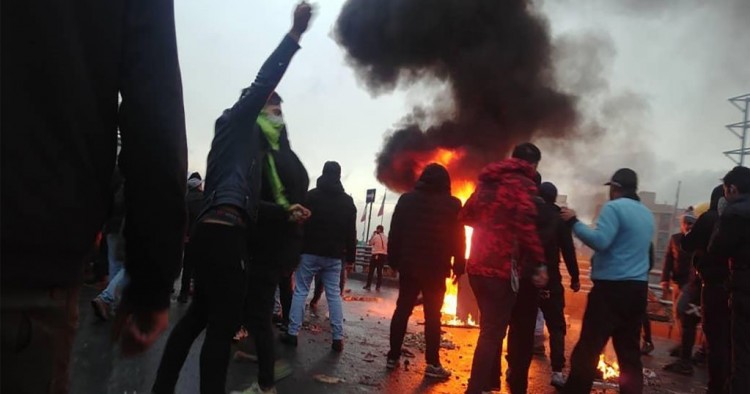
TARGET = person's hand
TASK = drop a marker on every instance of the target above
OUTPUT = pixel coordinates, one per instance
(302, 15)
(567, 214)
(298, 213)
(540, 278)
(136, 332)
(575, 286)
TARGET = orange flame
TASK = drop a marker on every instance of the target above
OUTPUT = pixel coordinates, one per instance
(609, 371)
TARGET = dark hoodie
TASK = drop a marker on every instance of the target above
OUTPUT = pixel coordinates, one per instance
(503, 214)
(712, 268)
(331, 231)
(425, 231)
(556, 236)
(732, 237)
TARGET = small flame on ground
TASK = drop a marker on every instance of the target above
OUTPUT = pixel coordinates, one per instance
(609, 371)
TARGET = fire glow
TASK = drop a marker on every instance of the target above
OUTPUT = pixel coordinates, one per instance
(610, 371)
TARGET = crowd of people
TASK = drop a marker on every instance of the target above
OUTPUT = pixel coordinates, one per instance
(253, 233)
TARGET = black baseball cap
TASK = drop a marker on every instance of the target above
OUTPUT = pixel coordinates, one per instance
(624, 178)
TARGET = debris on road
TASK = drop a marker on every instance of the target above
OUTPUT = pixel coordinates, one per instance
(328, 379)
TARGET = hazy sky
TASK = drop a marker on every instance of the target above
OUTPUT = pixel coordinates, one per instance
(666, 71)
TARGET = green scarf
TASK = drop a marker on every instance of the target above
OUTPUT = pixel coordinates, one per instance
(272, 132)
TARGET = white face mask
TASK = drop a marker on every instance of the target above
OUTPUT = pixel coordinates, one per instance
(275, 119)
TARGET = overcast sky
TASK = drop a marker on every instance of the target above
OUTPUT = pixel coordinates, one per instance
(668, 68)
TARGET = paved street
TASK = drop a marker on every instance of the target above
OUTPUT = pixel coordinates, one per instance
(98, 369)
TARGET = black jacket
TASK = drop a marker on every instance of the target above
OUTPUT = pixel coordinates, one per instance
(712, 268)
(276, 242)
(234, 167)
(732, 237)
(331, 231)
(425, 231)
(194, 203)
(556, 238)
(64, 67)
(678, 264)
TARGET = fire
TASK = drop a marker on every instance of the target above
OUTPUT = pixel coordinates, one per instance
(609, 371)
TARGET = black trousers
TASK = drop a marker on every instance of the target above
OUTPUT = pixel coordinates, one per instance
(615, 310)
(495, 299)
(432, 288)
(520, 338)
(647, 329)
(553, 308)
(740, 306)
(263, 279)
(716, 327)
(188, 266)
(286, 292)
(220, 256)
(376, 263)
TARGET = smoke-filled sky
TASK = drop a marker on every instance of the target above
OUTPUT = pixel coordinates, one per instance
(652, 79)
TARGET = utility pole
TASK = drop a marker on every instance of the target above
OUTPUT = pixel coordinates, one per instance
(741, 130)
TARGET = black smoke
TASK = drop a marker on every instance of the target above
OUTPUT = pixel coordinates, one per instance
(494, 56)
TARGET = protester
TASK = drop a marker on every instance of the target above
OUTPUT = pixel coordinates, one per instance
(332, 228)
(277, 243)
(219, 238)
(648, 342)
(687, 303)
(194, 204)
(71, 78)
(557, 240)
(619, 270)
(106, 302)
(677, 273)
(714, 274)
(379, 244)
(732, 241)
(505, 242)
(425, 235)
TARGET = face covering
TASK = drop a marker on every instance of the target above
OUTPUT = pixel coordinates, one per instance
(276, 120)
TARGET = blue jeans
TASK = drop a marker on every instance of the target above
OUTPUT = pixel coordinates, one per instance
(329, 270)
(117, 278)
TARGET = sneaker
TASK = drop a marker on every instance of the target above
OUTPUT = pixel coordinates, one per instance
(337, 345)
(392, 363)
(680, 367)
(101, 308)
(558, 380)
(437, 372)
(288, 339)
(647, 348)
(255, 389)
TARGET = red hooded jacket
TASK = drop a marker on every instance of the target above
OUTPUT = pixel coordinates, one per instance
(503, 214)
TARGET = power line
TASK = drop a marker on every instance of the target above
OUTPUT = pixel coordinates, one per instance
(741, 130)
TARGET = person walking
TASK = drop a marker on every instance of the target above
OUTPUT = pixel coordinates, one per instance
(379, 245)
(619, 270)
(331, 230)
(557, 240)
(732, 242)
(714, 275)
(219, 239)
(505, 264)
(74, 75)
(425, 236)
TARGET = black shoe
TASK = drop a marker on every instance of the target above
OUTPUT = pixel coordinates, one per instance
(676, 351)
(337, 345)
(288, 339)
(680, 367)
(182, 298)
(392, 363)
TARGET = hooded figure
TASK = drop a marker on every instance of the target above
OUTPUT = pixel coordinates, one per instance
(425, 235)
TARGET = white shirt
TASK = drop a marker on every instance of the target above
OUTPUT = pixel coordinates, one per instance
(379, 243)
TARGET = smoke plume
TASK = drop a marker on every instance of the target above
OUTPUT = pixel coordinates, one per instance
(494, 57)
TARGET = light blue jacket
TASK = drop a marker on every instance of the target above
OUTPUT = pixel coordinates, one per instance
(621, 241)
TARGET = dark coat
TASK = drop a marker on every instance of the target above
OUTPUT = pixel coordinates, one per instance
(712, 268)
(678, 264)
(194, 203)
(65, 67)
(425, 232)
(556, 238)
(732, 237)
(331, 231)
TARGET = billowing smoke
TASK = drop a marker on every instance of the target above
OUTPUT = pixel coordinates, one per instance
(494, 59)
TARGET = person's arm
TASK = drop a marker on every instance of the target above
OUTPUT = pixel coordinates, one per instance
(668, 266)
(601, 237)
(523, 223)
(153, 160)
(459, 244)
(568, 250)
(728, 236)
(351, 233)
(254, 98)
(395, 238)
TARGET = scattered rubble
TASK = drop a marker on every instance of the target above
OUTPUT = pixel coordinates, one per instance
(328, 379)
